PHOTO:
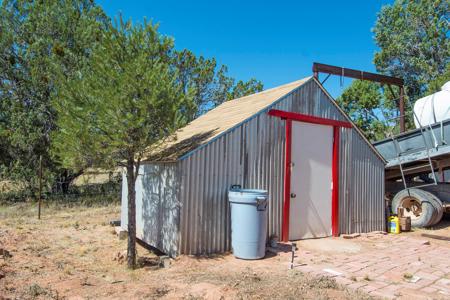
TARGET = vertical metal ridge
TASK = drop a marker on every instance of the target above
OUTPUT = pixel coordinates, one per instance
(253, 155)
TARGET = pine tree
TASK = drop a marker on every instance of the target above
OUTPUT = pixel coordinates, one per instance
(124, 102)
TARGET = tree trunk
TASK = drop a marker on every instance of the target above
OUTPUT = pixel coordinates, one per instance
(131, 182)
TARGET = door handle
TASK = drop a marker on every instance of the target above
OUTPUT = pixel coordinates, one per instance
(293, 195)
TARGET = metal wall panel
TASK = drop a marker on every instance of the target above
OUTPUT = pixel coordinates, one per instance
(252, 155)
(361, 189)
(182, 208)
(236, 158)
(157, 206)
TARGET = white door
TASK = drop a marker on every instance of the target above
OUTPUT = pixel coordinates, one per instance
(311, 181)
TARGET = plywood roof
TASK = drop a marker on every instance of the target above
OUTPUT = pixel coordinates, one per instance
(218, 120)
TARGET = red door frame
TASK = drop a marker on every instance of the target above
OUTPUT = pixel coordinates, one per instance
(289, 117)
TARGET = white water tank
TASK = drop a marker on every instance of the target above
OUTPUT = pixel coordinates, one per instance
(433, 108)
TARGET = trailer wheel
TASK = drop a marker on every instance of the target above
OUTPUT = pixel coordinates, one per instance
(437, 204)
(418, 204)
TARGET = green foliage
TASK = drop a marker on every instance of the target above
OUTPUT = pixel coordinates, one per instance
(36, 36)
(365, 104)
(125, 101)
(413, 41)
(45, 51)
(436, 84)
(207, 83)
(242, 88)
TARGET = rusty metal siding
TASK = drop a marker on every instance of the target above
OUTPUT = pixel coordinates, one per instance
(252, 155)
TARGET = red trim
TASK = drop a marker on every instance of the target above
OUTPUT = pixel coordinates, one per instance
(290, 116)
(335, 175)
(287, 183)
(308, 118)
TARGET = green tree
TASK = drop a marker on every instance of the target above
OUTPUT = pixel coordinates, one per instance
(366, 105)
(35, 38)
(414, 45)
(244, 88)
(413, 41)
(208, 83)
(436, 84)
(119, 107)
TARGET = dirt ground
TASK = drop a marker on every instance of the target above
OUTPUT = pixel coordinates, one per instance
(74, 253)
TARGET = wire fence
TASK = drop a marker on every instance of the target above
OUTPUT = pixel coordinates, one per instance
(87, 189)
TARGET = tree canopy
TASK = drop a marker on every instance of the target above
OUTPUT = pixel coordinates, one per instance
(363, 101)
(208, 83)
(413, 42)
(42, 39)
(126, 101)
(36, 36)
(82, 92)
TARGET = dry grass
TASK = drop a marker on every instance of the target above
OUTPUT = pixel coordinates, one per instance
(72, 251)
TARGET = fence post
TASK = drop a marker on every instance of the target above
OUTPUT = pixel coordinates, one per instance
(40, 187)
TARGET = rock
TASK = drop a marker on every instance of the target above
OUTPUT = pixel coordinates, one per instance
(2, 275)
(273, 242)
(424, 242)
(114, 223)
(164, 261)
(5, 253)
(121, 233)
(273, 250)
(350, 236)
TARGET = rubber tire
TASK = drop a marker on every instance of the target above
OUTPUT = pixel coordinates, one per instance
(438, 207)
(429, 212)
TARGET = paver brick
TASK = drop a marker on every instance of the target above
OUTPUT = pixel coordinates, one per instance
(427, 276)
(440, 288)
(357, 285)
(439, 273)
(423, 282)
(443, 282)
(386, 265)
(411, 286)
(368, 288)
(383, 294)
(429, 290)
(343, 281)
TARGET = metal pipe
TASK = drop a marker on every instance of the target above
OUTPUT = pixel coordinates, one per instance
(402, 109)
(294, 247)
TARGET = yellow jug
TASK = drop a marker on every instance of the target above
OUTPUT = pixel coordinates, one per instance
(393, 224)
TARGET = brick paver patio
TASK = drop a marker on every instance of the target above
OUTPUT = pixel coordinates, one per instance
(389, 266)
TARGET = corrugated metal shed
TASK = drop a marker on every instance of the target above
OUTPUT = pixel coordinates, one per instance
(217, 121)
(239, 143)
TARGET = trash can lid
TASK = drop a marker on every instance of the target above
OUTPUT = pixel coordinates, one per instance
(246, 195)
(254, 191)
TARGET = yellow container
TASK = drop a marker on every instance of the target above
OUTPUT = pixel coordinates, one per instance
(393, 224)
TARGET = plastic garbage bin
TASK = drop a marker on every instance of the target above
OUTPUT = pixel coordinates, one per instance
(248, 222)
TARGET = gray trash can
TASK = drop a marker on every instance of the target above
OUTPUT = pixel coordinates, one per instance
(248, 222)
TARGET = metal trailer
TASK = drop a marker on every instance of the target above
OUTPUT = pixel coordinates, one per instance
(418, 161)
(413, 157)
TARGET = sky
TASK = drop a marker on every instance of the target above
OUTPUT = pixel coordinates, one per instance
(273, 41)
